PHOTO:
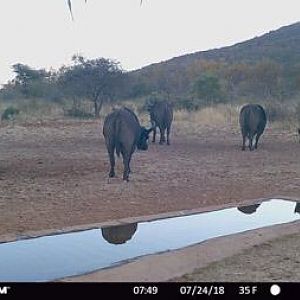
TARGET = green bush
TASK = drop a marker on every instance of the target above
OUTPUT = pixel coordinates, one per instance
(208, 88)
(9, 113)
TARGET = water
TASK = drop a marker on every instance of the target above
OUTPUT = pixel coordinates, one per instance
(52, 257)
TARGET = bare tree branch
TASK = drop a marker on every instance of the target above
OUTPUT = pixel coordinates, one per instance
(70, 8)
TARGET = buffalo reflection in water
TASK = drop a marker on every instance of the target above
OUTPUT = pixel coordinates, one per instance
(249, 209)
(119, 234)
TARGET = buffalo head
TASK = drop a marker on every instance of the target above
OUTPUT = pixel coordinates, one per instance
(142, 143)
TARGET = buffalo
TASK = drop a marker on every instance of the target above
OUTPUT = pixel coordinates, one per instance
(161, 116)
(123, 134)
(253, 120)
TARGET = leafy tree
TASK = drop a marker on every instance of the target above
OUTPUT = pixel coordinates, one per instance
(29, 80)
(93, 79)
(208, 88)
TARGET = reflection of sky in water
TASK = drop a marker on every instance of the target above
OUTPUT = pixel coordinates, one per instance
(52, 257)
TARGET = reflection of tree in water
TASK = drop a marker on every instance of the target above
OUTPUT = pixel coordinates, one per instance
(297, 208)
(119, 234)
(249, 209)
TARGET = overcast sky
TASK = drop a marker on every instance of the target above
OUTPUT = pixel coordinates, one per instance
(40, 33)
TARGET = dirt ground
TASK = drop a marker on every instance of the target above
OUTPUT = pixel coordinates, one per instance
(275, 260)
(54, 175)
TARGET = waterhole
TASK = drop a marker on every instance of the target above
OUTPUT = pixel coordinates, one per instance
(52, 257)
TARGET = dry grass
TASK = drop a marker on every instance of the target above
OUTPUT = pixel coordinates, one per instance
(188, 122)
(289, 124)
(214, 115)
(33, 110)
(185, 122)
(220, 116)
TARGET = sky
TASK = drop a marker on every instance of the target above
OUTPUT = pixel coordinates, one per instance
(41, 34)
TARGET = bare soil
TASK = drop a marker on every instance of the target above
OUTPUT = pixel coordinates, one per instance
(55, 174)
(275, 260)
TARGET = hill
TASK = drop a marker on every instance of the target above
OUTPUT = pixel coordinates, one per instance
(271, 58)
(282, 46)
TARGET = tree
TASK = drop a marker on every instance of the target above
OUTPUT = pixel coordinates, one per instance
(266, 75)
(29, 81)
(234, 75)
(94, 79)
(208, 88)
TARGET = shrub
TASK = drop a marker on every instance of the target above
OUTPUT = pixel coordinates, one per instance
(190, 104)
(10, 94)
(78, 113)
(209, 89)
(9, 113)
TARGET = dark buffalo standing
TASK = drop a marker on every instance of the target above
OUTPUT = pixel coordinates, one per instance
(123, 133)
(161, 116)
(253, 121)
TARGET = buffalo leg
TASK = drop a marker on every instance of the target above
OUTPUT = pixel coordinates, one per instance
(126, 162)
(244, 142)
(112, 163)
(162, 135)
(168, 135)
(154, 135)
(257, 138)
(250, 142)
